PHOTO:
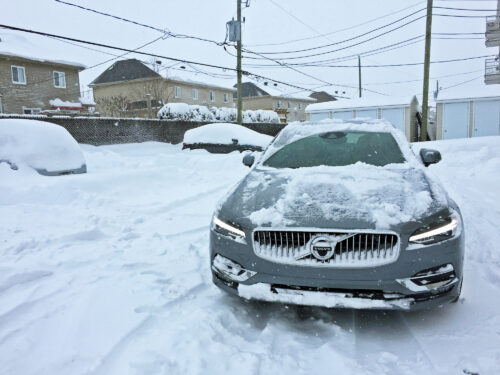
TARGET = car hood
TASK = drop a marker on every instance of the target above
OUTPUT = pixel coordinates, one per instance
(357, 196)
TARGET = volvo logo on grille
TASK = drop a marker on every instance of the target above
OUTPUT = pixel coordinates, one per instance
(322, 247)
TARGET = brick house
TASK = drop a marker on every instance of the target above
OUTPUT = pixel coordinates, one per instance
(267, 96)
(29, 83)
(129, 88)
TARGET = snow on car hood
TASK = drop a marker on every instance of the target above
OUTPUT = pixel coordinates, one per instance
(359, 195)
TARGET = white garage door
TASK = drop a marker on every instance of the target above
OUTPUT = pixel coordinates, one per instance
(343, 115)
(319, 116)
(396, 116)
(486, 118)
(367, 113)
(455, 120)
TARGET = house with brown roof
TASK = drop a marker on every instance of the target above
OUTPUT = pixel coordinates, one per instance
(30, 78)
(270, 96)
(130, 88)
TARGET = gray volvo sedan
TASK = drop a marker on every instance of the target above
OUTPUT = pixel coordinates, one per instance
(340, 214)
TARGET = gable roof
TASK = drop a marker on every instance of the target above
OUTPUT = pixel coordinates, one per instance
(14, 45)
(125, 70)
(322, 96)
(250, 89)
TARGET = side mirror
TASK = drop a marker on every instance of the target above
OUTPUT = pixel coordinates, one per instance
(430, 156)
(248, 160)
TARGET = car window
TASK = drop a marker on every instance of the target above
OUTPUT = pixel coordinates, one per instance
(338, 149)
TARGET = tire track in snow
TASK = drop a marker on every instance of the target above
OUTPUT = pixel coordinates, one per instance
(385, 344)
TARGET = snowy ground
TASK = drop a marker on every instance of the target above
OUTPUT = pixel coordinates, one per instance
(108, 273)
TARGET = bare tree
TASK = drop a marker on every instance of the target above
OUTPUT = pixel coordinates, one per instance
(114, 106)
(154, 90)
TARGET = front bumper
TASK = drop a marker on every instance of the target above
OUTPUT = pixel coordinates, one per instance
(419, 278)
(336, 298)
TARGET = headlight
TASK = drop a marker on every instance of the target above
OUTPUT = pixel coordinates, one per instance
(225, 228)
(438, 231)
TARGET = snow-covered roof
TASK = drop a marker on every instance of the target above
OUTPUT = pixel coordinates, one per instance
(483, 91)
(16, 45)
(281, 91)
(198, 80)
(364, 102)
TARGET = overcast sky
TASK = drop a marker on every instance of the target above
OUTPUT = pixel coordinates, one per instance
(270, 22)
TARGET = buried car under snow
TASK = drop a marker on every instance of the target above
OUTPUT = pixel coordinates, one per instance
(339, 215)
(48, 148)
(223, 138)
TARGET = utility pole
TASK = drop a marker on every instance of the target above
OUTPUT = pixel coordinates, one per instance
(359, 74)
(425, 96)
(238, 65)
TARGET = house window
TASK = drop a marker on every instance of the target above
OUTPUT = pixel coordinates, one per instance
(289, 105)
(300, 105)
(18, 75)
(212, 96)
(177, 90)
(279, 104)
(195, 94)
(60, 79)
(226, 97)
(31, 111)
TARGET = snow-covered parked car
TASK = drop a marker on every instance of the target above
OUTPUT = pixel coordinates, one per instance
(43, 146)
(340, 214)
(222, 138)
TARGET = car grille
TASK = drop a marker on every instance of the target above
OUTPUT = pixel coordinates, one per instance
(353, 249)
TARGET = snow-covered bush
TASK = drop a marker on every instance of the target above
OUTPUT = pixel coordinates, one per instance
(186, 112)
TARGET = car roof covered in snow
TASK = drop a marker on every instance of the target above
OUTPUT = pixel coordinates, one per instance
(294, 132)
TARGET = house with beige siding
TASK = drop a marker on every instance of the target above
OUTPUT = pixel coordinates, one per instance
(29, 83)
(129, 88)
(268, 96)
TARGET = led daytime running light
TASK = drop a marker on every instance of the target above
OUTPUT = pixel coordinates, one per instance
(228, 227)
(434, 232)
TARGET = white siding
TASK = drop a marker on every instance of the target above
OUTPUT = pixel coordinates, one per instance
(486, 118)
(319, 116)
(455, 120)
(367, 113)
(396, 116)
(343, 115)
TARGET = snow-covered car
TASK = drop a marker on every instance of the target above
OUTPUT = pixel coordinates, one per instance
(43, 146)
(222, 138)
(340, 214)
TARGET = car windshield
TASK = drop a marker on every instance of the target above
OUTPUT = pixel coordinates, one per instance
(338, 149)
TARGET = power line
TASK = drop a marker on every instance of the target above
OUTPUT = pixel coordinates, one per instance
(390, 65)
(354, 37)
(165, 31)
(383, 49)
(339, 30)
(247, 73)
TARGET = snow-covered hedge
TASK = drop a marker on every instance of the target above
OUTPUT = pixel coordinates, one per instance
(186, 112)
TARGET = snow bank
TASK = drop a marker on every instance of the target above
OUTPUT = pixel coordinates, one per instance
(224, 133)
(186, 112)
(40, 145)
(61, 103)
(108, 273)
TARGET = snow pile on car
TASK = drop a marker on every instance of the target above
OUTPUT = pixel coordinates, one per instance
(224, 133)
(186, 112)
(40, 145)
